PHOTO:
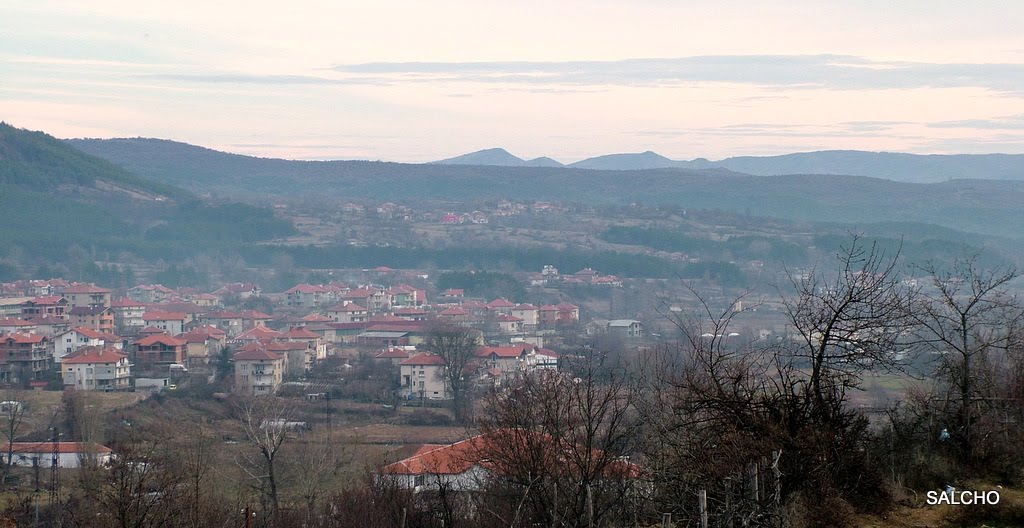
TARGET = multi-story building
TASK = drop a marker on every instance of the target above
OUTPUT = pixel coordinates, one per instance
(128, 316)
(422, 377)
(24, 357)
(159, 350)
(96, 368)
(87, 295)
(96, 317)
(258, 371)
(51, 306)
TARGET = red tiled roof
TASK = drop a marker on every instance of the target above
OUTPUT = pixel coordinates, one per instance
(88, 332)
(126, 303)
(256, 354)
(393, 353)
(301, 333)
(316, 318)
(10, 322)
(24, 338)
(504, 351)
(163, 316)
(255, 314)
(223, 315)
(62, 447)
(500, 303)
(93, 354)
(525, 307)
(451, 312)
(47, 300)
(424, 358)
(348, 308)
(85, 288)
(508, 319)
(163, 339)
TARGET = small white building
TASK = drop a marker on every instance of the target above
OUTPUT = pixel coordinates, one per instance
(68, 454)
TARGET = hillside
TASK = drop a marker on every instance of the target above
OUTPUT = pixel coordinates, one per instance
(55, 197)
(981, 206)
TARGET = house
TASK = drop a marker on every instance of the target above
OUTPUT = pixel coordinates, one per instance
(96, 368)
(259, 333)
(203, 343)
(52, 306)
(239, 290)
(67, 454)
(24, 357)
(12, 307)
(99, 318)
(160, 350)
(373, 298)
(150, 293)
(509, 324)
(128, 316)
(403, 295)
(229, 322)
(306, 296)
(529, 313)
(254, 318)
(469, 464)
(626, 328)
(87, 295)
(422, 376)
(258, 371)
(393, 355)
(68, 342)
(50, 326)
(552, 316)
(299, 357)
(452, 296)
(170, 322)
(454, 315)
(312, 340)
(500, 306)
(12, 325)
(516, 358)
(347, 313)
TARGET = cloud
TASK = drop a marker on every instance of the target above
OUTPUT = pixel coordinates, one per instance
(837, 72)
(237, 78)
(1013, 122)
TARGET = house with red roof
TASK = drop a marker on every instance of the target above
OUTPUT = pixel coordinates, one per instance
(96, 368)
(422, 376)
(509, 324)
(500, 306)
(52, 306)
(87, 295)
(171, 322)
(160, 350)
(454, 315)
(66, 343)
(150, 293)
(564, 313)
(24, 357)
(529, 313)
(96, 317)
(470, 464)
(13, 324)
(258, 371)
(202, 343)
(350, 312)
(517, 358)
(254, 318)
(393, 355)
(372, 297)
(69, 454)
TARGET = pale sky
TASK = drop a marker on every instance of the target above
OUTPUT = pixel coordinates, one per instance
(418, 81)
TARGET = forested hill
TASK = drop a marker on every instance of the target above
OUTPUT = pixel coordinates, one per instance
(55, 197)
(37, 161)
(981, 206)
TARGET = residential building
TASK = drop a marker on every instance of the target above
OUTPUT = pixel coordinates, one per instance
(626, 328)
(422, 376)
(98, 318)
(87, 295)
(128, 316)
(347, 313)
(258, 371)
(24, 357)
(52, 306)
(171, 322)
(160, 350)
(96, 368)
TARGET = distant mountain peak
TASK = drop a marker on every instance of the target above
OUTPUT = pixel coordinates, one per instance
(496, 156)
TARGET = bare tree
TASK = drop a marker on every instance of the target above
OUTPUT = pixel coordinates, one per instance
(556, 443)
(265, 421)
(968, 317)
(456, 346)
(857, 320)
(12, 415)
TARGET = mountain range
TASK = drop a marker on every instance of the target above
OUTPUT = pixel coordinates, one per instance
(889, 165)
(986, 206)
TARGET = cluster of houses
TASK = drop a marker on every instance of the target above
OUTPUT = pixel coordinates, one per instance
(85, 336)
(549, 276)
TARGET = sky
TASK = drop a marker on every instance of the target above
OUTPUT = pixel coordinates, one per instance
(419, 81)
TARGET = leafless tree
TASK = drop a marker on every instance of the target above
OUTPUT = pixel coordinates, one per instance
(265, 422)
(456, 346)
(555, 446)
(971, 321)
(12, 414)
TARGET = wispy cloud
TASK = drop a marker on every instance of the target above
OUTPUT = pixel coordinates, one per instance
(1013, 122)
(837, 72)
